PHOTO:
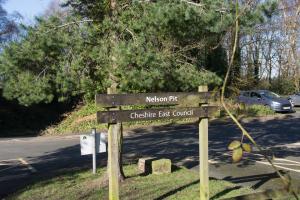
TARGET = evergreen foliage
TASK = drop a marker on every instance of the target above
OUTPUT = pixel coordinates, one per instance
(161, 46)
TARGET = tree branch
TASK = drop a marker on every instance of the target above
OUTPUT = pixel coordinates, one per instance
(71, 23)
(193, 3)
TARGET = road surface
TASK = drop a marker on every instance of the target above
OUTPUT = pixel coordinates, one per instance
(25, 160)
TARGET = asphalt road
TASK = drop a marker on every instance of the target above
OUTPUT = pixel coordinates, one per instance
(25, 160)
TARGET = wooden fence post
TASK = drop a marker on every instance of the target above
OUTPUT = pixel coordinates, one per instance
(203, 154)
(113, 153)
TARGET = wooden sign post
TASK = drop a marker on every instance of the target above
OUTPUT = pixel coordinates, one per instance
(114, 118)
(113, 153)
(203, 154)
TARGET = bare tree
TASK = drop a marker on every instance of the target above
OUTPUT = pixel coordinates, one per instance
(55, 8)
(291, 26)
(8, 27)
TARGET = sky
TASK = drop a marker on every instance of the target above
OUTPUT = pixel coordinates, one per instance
(27, 8)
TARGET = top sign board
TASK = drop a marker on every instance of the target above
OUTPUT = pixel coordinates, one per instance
(169, 98)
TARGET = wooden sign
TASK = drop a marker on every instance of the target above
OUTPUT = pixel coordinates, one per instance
(154, 114)
(192, 105)
(169, 98)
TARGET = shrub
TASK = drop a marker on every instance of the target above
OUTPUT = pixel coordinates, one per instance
(255, 110)
(240, 109)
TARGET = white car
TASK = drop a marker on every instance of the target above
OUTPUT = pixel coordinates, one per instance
(295, 98)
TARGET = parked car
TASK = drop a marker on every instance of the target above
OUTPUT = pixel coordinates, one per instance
(266, 98)
(295, 98)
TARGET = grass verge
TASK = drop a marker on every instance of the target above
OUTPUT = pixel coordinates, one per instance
(83, 118)
(182, 184)
(242, 110)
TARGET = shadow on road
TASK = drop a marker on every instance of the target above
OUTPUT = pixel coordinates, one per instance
(259, 178)
(63, 161)
(178, 143)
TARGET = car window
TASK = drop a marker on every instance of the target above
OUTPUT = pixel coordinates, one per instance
(246, 94)
(255, 95)
(270, 95)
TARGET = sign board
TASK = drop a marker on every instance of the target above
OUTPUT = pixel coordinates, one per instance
(191, 105)
(169, 98)
(86, 143)
(154, 114)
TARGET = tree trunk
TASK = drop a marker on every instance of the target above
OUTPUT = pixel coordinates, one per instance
(114, 80)
(236, 65)
(256, 65)
(291, 16)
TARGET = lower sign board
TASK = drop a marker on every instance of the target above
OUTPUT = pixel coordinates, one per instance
(154, 114)
(86, 143)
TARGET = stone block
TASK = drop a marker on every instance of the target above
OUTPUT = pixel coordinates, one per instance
(144, 165)
(162, 166)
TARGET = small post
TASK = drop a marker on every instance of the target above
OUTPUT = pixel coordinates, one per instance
(203, 154)
(94, 150)
(113, 154)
